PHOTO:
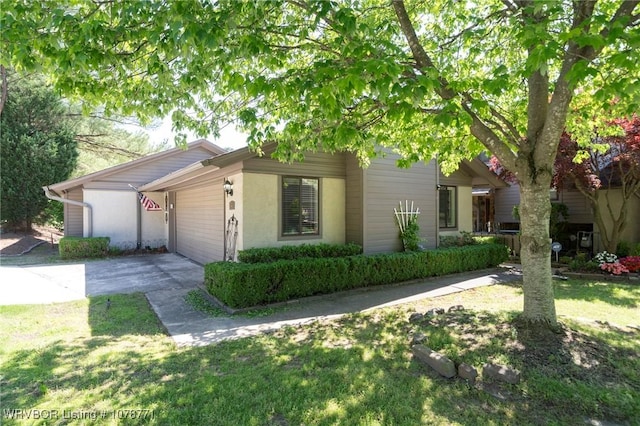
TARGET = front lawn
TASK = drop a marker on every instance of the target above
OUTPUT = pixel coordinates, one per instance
(84, 358)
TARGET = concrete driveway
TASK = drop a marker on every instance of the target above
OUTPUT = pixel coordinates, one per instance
(74, 281)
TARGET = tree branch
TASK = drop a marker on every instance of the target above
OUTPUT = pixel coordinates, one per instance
(423, 61)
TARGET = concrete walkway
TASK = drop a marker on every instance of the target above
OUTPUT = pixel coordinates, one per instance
(167, 278)
(192, 328)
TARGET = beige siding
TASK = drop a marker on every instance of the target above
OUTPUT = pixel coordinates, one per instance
(199, 223)
(457, 178)
(579, 208)
(315, 164)
(385, 185)
(505, 199)
(145, 173)
(354, 201)
(73, 215)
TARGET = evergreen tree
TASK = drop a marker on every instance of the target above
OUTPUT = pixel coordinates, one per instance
(38, 147)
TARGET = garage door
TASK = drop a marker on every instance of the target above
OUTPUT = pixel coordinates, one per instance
(199, 223)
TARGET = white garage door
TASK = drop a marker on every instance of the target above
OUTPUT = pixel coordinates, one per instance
(199, 223)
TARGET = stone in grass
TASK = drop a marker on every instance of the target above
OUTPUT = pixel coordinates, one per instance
(418, 338)
(443, 365)
(415, 317)
(435, 311)
(456, 308)
(501, 373)
(468, 373)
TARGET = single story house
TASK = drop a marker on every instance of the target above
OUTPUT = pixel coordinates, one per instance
(208, 203)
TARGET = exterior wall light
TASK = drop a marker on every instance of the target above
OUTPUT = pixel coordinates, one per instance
(228, 187)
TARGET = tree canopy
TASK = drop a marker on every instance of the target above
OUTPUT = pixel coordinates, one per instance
(38, 148)
(445, 77)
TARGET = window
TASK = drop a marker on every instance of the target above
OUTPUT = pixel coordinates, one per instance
(300, 206)
(448, 206)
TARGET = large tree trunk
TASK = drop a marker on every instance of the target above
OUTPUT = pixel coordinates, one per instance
(535, 254)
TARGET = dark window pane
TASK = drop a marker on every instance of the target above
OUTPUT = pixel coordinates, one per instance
(447, 208)
(299, 206)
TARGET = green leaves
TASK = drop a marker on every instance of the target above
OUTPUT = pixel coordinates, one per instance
(333, 73)
(38, 148)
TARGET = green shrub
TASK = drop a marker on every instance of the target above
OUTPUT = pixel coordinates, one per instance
(242, 285)
(486, 240)
(565, 260)
(75, 247)
(624, 249)
(464, 239)
(273, 254)
(581, 263)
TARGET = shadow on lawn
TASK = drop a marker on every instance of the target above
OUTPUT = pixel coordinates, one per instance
(352, 371)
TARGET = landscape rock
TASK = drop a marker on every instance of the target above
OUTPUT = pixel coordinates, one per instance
(501, 373)
(468, 373)
(456, 308)
(443, 365)
(418, 338)
(415, 317)
(435, 311)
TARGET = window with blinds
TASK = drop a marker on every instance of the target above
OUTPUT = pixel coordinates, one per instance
(300, 206)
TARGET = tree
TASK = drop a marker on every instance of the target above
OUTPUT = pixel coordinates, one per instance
(610, 162)
(444, 77)
(103, 142)
(38, 147)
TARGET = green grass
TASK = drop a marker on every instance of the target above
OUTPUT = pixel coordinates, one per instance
(85, 357)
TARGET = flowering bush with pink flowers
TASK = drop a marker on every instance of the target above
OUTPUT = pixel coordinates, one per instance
(632, 263)
(615, 268)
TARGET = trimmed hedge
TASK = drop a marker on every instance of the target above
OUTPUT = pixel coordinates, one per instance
(76, 247)
(273, 254)
(242, 285)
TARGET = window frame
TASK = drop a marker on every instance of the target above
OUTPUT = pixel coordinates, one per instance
(281, 195)
(447, 188)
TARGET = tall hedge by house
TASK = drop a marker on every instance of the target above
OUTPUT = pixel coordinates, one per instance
(273, 254)
(75, 247)
(241, 285)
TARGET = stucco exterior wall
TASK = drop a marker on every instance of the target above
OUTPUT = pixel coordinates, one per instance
(114, 216)
(631, 232)
(260, 212)
(154, 229)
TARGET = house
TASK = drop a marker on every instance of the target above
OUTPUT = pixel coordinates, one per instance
(474, 186)
(103, 203)
(214, 203)
(582, 231)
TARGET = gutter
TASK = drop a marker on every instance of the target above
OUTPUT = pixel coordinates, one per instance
(73, 203)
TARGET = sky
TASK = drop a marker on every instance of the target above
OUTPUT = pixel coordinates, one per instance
(229, 137)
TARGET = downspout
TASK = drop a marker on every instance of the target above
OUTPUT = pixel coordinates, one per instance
(87, 206)
(138, 219)
(139, 225)
(437, 215)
